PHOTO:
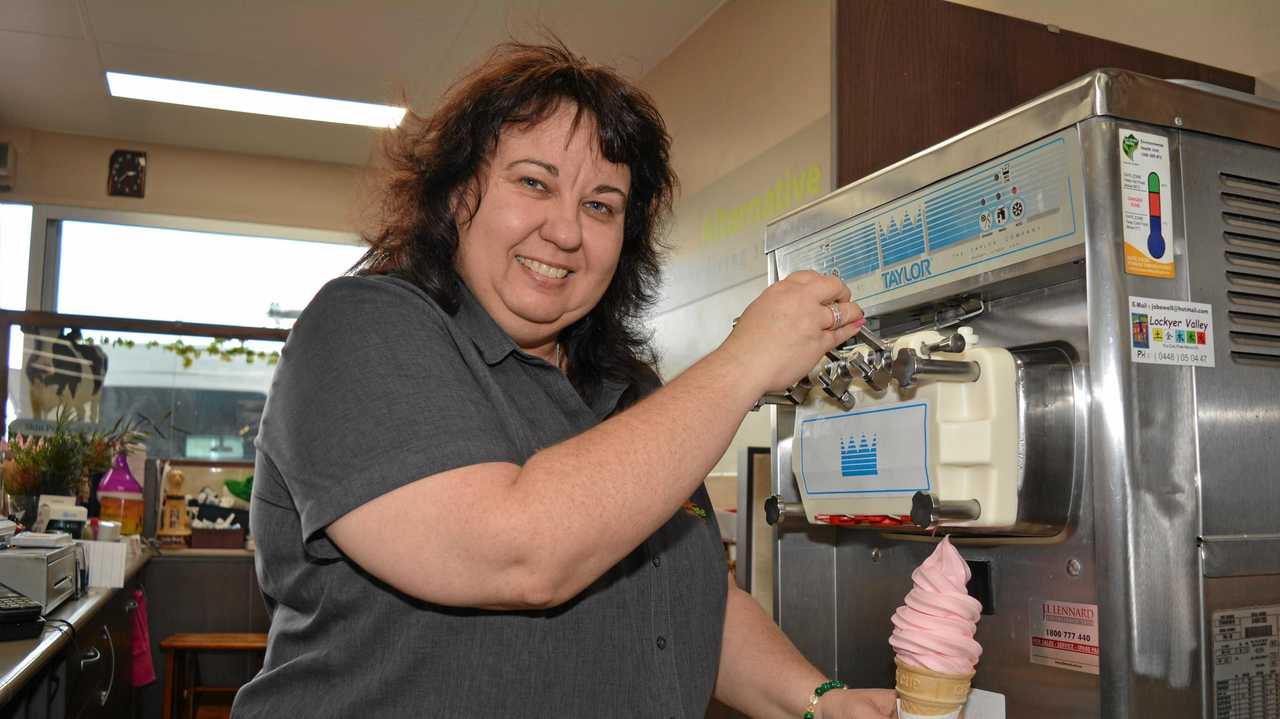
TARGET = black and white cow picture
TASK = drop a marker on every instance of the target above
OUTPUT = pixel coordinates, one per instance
(62, 372)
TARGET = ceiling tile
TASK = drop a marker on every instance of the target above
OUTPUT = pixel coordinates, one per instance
(379, 38)
(49, 82)
(58, 18)
(369, 50)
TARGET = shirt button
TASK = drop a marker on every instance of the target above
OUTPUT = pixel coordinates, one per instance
(662, 642)
(657, 561)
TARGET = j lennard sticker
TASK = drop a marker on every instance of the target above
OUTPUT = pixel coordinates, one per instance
(1064, 635)
(1171, 332)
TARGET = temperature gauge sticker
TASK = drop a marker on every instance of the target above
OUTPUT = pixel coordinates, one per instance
(1146, 203)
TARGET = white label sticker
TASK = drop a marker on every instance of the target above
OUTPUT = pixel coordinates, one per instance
(1064, 635)
(1171, 332)
(1246, 663)
(883, 450)
(1146, 203)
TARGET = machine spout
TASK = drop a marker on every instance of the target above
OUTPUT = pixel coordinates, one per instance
(909, 368)
(777, 511)
(926, 511)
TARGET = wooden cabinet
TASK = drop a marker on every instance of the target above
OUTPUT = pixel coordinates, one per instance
(99, 662)
(89, 675)
(910, 73)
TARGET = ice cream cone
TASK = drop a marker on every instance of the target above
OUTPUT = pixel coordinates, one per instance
(926, 693)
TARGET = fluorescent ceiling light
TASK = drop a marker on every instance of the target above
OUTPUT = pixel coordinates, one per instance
(258, 102)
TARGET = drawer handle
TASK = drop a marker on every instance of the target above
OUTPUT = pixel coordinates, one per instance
(111, 680)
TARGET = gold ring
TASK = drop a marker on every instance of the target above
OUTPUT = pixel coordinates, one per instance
(835, 315)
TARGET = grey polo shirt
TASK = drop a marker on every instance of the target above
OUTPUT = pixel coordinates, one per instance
(378, 387)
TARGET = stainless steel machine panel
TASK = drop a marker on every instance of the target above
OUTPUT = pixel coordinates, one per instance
(1232, 195)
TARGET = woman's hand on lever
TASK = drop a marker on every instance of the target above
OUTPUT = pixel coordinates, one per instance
(789, 327)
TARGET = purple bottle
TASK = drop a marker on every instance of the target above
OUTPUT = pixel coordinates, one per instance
(120, 496)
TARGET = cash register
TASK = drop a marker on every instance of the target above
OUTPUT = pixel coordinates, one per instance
(41, 566)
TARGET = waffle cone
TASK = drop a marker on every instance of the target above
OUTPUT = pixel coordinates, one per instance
(926, 693)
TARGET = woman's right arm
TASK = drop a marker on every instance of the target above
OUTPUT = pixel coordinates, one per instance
(502, 536)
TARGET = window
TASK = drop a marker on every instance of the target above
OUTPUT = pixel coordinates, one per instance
(157, 273)
(206, 397)
(15, 252)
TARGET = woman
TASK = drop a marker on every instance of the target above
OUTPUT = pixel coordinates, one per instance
(473, 498)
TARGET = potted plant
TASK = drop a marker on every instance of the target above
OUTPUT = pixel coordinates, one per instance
(52, 464)
(63, 461)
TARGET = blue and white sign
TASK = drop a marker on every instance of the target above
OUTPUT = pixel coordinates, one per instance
(878, 450)
(1019, 206)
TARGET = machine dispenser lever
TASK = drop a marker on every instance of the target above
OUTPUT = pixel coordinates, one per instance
(871, 339)
(835, 379)
(874, 367)
(909, 368)
(874, 377)
(927, 512)
(793, 395)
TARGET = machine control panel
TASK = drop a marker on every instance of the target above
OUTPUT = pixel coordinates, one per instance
(1019, 206)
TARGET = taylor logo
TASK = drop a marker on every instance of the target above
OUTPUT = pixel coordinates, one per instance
(906, 274)
(859, 457)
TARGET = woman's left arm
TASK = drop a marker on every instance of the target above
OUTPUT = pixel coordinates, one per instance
(763, 675)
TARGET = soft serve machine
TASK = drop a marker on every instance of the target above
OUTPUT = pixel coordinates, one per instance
(1072, 368)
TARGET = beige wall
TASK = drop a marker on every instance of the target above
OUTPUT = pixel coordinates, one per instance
(55, 168)
(754, 73)
(753, 78)
(1239, 35)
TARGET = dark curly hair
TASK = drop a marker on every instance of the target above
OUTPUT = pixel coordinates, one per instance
(434, 161)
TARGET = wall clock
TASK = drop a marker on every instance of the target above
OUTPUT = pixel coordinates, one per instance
(127, 173)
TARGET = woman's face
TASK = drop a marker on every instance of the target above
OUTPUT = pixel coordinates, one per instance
(545, 239)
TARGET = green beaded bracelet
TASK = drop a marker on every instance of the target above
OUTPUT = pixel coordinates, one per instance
(823, 688)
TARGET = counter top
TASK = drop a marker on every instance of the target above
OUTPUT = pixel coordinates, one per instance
(21, 659)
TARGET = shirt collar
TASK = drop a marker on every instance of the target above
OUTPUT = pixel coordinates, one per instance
(492, 341)
(606, 400)
(496, 345)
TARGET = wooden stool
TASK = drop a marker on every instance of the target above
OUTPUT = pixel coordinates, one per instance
(179, 648)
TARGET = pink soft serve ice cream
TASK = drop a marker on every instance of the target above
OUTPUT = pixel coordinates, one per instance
(934, 628)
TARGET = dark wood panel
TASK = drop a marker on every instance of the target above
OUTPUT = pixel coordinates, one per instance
(202, 593)
(911, 73)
